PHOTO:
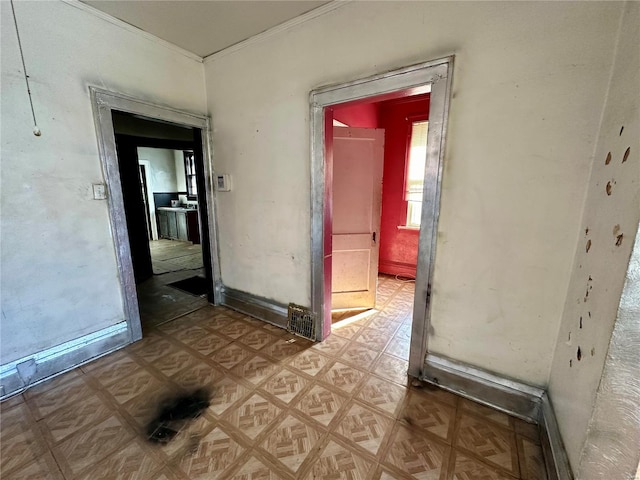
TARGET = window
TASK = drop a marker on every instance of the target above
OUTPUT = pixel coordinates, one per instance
(414, 178)
(190, 175)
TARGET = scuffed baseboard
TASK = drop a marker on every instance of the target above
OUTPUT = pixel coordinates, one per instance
(509, 396)
(397, 268)
(258, 307)
(61, 358)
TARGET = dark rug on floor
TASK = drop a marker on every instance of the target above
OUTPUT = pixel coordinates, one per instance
(194, 285)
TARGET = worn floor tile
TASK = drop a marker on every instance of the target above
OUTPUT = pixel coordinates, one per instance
(281, 407)
(494, 444)
(291, 442)
(419, 455)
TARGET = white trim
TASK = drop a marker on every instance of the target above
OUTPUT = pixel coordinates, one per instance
(131, 28)
(103, 102)
(554, 453)
(64, 348)
(258, 307)
(282, 27)
(151, 203)
(61, 358)
(504, 394)
(484, 376)
(434, 76)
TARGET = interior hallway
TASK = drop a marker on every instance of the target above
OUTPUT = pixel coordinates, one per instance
(281, 407)
(172, 261)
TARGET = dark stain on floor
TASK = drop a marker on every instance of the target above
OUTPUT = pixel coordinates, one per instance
(174, 413)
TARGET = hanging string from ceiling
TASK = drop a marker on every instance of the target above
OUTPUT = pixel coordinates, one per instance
(36, 130)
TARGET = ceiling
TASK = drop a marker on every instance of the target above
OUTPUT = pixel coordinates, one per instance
(204, 27)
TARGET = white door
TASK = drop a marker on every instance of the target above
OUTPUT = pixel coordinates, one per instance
(358, 157)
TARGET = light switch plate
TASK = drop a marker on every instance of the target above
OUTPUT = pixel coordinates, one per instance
(99, 191)
(223, 182)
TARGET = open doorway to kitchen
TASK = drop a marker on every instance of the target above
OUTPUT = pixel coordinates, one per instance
(157, 178)
(432, 81)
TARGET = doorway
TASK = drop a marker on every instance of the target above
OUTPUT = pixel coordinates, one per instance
(379, 152)
(434, 78)
(129, 129)
(163, 216)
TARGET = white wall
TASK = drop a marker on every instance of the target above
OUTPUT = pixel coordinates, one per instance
(59, 276)
(163, 175)
(181, 178)
(529, 84)
(598, 275)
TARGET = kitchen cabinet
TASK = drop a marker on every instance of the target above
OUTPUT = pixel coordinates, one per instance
(178, 224)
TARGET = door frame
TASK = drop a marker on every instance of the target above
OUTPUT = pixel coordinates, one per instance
(435, 77)
(103, 103)
(153, 224)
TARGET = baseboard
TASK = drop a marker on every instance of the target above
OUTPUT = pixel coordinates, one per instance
(255, 306)
(512, 397)
(555, 456)
(509, 396)
(397, 268)
(53, 361)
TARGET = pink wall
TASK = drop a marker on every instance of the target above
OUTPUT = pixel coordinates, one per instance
(398, 246)
(362, 115)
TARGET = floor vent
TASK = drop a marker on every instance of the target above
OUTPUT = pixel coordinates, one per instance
(301, 322)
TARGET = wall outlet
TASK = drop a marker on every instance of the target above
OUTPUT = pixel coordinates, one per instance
(99, 191)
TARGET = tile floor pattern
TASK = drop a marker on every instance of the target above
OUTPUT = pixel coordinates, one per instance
(279, 409)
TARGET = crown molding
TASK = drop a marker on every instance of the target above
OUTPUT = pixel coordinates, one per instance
(283, 27)
(130, 28)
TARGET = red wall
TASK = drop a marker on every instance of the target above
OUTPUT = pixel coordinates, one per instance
(362, 115)
(398, 247)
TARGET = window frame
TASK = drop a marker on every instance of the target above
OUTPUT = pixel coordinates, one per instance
(409, 121)
(186, 154)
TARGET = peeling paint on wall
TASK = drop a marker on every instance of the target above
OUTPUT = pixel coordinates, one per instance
(608, 222)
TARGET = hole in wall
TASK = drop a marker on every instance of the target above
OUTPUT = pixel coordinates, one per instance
(580, 322)
(608, 188)
(607, 160)
(579, 354)
(621, 129)
(586, 231)
(588, 245)
(569, 339)
(626, 154)
(589, 288)
(570, 363)
(619, 239)
(593, 351)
